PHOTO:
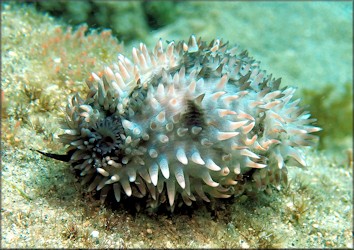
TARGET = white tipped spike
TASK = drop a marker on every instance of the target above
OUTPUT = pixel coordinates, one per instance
(200, 82)
(94, 184)
(152, 190)
(86, 108)
(102, 184)
(249, 142)
(170, 48)
(225, 171)
(163, 138)
(153, 125)
(180, 176)
(257, 80)
(142, 60)
(253, 164)
(102, 172)
(101, 93)
(200, 192)
(221, 84)
(296, 131)
(209, 163)
(141, 185)
(154, 173)
(127, 124)
(109, 73)
(229, 181)
(221, 136)
(217, 194)
(217, 95)
(160, 186)
(196, 130)
(248, 128)
(128, 64)
(188, 187)
(246, 152)
(126, 186)
(258, 146)
(267, 143)
(192, 44)
(171, 191)
(163, 164)
(123, 72)
(71, 132)
(237, 168)
(171, 90)
(154, 103)
(279, 159)
(270, 104)
(196, 158)
(175, 79)
(158, 48)
(186, 198)
(169, 127)
(136, 74)
(245, 116)
(136, 131)
(116, 189)
(185, 47)
(296, 155)
(160, 89)
(161, 117)
(143, 172)
(96, 77)
(115, 178)
(181, 156)
(313, 129)
(135, 56)
(153, 153)
(131, 174)
(144, 50)
(208, 180)
(223, 112)
(272, 114)
(120, 81)
(236, 125)
(227, 100)
(215, 46)
(118, 91)
(191, 86)
(146, 137)
(271, 95)
(253, 104)
(182, 131)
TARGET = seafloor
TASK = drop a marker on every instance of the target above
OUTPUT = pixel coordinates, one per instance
(43, 205)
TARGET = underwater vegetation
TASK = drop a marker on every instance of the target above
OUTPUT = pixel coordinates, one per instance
(334, 115)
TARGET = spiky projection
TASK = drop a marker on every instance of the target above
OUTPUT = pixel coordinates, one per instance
(185, 122)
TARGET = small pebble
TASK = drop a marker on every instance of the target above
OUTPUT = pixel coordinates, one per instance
(149, 231)
(95, 234)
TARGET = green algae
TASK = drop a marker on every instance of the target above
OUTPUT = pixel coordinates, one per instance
(334, 114)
